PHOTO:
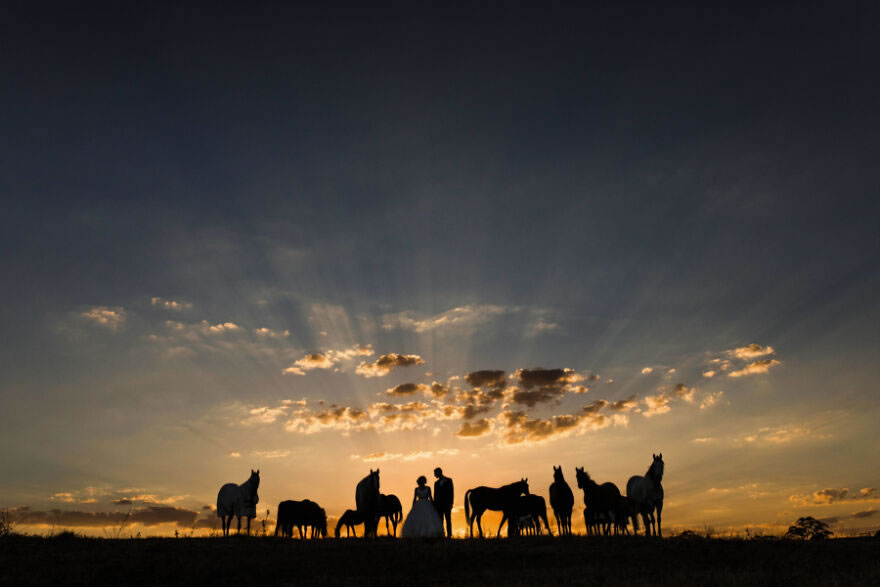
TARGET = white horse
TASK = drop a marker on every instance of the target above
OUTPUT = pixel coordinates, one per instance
(647, 492)
(238, 500)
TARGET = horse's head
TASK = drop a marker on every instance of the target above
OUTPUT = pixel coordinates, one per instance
(557, 475)
(374, 479)
(582, 477)
(657, 466)
(322, 525)
(254, 483)
(524, 485)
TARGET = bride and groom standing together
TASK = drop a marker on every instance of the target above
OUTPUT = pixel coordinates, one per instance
(425, 519)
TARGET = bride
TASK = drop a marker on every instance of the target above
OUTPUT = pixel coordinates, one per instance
(423, 519)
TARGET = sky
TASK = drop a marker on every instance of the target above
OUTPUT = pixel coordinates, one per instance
(317, 239)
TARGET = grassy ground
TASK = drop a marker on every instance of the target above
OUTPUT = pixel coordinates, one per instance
(627, 561)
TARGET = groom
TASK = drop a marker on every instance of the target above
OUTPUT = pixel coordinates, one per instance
(443, 498)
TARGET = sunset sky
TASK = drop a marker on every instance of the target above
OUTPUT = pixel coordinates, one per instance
(493, 238)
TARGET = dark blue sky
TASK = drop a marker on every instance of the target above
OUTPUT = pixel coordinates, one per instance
(653, 183)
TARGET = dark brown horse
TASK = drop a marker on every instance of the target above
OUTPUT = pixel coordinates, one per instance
(601, 501)
(390, 509)
(526, 513)
(349, 519)
(367, 498)
(562, 502)
(303, 515)
(480, 499)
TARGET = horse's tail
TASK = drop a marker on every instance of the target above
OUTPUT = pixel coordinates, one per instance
(397, 515)
(467, 508)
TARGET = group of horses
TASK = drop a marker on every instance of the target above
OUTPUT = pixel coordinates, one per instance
(605, 511)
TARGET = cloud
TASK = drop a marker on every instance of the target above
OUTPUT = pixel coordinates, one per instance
(518, 428)
(647, 370)
(751, 351)
(681, 391)
(863, 514)
(174, 305)
(408, 389)
(486, 378)
(386, 363)
(439, 390)
(710, 399)
(833, 495)
(535, 396)
(624, 405)
(770, 436)
(657, 404)
(235, 455)
(263, 415)
(410, 456)
(106, 316)
(327, 359)
(271, 454)
(761, 366)
(220, 328)
(340, 418)
(460, 317)
(153, 515)
(269, 333)
(539, 377)
(709, 374)
(481, 427)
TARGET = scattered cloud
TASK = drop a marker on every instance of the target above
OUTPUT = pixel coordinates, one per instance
(517, 428)
(481, 427)
(153, 515)
(709, 374)
(460, 317)
(833, 495)
(327, 359)
(386, 363)
(408, 389)
(409, 456)
(761, 366)
(174, 305)
(710, 399)
(269, 333)
(624, 405)
(647, 370)
(657, 404)
(271, 454)
(235, 455)
(751, 351)
(486, 379)
(106, 316)
(340, 418)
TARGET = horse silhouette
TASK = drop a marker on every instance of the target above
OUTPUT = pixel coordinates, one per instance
(238, 500)
(390, 509)
(526, 513)
(562, 502)
(601, 501)
(367, 498)
(349, 519)
(303, 515)
(480, 499)
(647, 492)
(627, 509)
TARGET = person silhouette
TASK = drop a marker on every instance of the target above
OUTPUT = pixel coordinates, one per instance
(444, 496)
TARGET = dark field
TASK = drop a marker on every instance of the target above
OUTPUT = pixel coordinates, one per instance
(628, 561)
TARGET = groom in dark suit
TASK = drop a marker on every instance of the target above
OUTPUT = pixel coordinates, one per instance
(444, 495)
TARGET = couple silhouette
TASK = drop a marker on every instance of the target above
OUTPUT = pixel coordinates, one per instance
(425, 519)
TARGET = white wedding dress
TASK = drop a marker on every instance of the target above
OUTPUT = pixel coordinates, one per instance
(423, 521)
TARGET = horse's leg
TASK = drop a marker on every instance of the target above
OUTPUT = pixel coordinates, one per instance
(249, 526)
(239, 524)
(479, 522)
(503, 519)
(659, 529)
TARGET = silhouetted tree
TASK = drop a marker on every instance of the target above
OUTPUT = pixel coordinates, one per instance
(808, 528)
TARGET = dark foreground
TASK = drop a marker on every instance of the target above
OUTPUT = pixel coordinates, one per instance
(267, 561)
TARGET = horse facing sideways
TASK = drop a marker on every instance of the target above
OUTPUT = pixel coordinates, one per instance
(497, 499)
(238, 500)
(302, 515)
(601, 500)
(525, 515)
(647, 492)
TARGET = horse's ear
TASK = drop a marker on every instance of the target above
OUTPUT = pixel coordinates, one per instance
(661, 456)
(258, 472)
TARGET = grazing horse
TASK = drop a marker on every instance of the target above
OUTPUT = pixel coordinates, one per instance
(238, 500)
(303, 515)
(647, 492)
(526, 513)
(497, 499)
(601, 501)
(390, 508)
(562, 502)
(367, 498)
(349, 519)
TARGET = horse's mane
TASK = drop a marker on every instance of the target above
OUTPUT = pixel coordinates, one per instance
(652, 475)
